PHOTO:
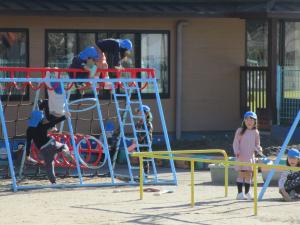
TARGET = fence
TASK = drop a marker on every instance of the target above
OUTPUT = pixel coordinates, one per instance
(255, 92)
(169, 155)
(288, 94)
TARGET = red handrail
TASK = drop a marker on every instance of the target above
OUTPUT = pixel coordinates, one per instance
(34, 72)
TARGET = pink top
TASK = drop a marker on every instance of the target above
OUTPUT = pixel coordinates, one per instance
(245, 145)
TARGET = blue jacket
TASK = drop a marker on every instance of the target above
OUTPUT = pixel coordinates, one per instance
(78, 63)
(111, 49)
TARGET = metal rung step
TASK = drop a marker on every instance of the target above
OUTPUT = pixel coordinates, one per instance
(143, 146)
(137, 117)
(120, 95)
(141, 131)
(130, 138)
(134, 102)
(135, 167)
(120, 109)
(127, 124)
(148, 160)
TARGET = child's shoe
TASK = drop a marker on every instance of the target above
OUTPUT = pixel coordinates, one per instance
(249, 196)
(293, 195)
(240, 196)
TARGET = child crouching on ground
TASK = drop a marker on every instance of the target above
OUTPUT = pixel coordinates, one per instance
(289, 182)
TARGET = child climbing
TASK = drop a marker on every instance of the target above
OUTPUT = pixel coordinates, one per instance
(142, 136)
(54, 106)
(85, 60)
(115, 50)
(246, 143)
(37, 132)
(289, 182)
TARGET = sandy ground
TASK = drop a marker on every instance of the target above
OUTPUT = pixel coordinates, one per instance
(121, 205)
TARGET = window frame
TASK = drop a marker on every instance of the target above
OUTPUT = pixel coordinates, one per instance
(27, 94)
(137, 36)
(246, 41)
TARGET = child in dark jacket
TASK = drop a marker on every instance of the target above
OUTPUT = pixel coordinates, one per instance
(114, 50)
(37, 132)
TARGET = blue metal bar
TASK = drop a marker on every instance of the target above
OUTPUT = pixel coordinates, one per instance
(7, 146)
(147, 134)
(103, 133)
(36, 98)
(72, 135)
(163, 122)
(122, 134)
(54, 186)
(278, 93)
(119, 136)
(279, 156)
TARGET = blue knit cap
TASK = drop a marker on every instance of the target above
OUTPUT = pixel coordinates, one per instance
(294, 153)
(35, 118)
(250, 114)
(126, 43)
(145, 108)
(89, 52)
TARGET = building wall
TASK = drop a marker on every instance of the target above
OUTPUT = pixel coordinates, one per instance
(213, 52)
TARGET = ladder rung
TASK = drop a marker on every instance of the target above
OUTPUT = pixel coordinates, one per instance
(121, 109)
(130, 138)
(143, 146)
(135, 167)
(127, 124)
(141, 131)
(134, 102)
(120, 95)
(148, 160)
(137, 117)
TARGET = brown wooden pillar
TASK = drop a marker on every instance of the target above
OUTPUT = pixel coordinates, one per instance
(272, 65)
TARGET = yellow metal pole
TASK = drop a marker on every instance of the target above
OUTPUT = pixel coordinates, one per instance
(141, 177)
(226, 176)
(192, 183)
(255, 189)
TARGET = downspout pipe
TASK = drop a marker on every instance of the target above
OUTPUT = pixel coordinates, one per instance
(179, 48)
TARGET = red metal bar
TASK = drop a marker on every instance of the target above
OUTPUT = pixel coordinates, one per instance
(27, 70)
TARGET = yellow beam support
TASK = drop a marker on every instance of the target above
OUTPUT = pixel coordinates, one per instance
(226, 177)
(141, 177)
(166, 155)
(255, 189)
(192, 183)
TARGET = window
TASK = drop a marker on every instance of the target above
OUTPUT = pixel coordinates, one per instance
(14, 53)
(151, 50)
(256, 43)
(292, 44)
(154, 54)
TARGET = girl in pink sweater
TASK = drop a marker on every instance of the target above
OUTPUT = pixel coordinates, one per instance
(246, 143)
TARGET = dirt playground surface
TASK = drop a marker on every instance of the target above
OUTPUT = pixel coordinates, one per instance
(121, 205)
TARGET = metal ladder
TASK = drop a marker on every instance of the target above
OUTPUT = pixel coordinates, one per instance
(122, 114)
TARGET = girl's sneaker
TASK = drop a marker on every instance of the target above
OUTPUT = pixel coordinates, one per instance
(249, 196)
(240, 196)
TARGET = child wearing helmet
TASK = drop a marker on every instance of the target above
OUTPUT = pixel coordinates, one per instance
(246, 143)
(115, 50)
(289, 182)
(37, 132)
(142, 136)
(85, 60)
